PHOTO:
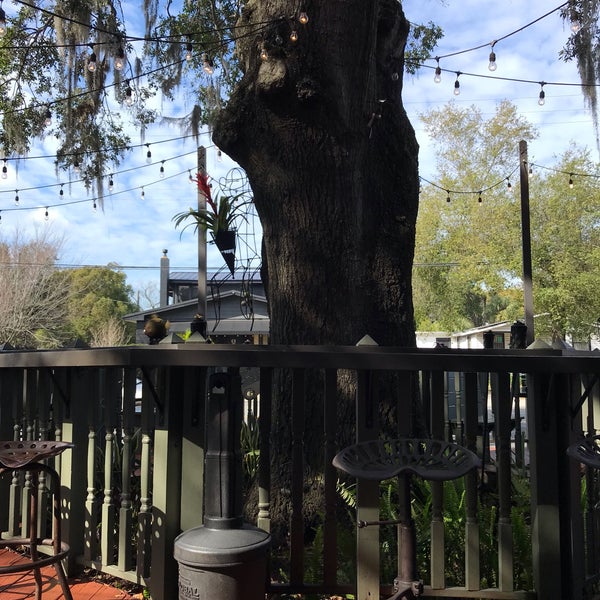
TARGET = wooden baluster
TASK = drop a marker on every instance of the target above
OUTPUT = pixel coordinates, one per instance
(264, 457)
(438, 580)
(91, 508)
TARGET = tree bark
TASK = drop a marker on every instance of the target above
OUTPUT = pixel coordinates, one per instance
(321, 132)
(320, 129)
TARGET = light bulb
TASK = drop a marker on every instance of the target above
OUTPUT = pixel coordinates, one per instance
(448, 197)
(575, 26)
(207, 65)
(143, 194)
(479, 199)
(457, 87)
(188, 51)
(438, 74)
(92, 62)
(48, 118)
(76, 166)
(264, 55)
(46, 214)
(542, 98)
(128, 96)
(190, 178)
(294, 35)
(120, 59)
(61, 192)
(17, 197)
(2, 23)
(219, 155)
(509, 185)
(148, 155)
(111, 184)
(303, 18)
(492, 66)
(162, 170)
(571, 180)
(4, 170)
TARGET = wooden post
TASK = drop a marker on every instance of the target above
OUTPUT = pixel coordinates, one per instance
(526, 241)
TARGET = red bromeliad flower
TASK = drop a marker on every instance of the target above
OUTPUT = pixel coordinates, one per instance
(204, 187)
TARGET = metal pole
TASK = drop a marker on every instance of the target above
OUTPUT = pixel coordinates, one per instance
(526, 241)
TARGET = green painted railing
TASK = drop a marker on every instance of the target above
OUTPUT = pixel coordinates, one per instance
(134, 480)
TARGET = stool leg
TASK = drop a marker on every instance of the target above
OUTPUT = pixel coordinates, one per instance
(56, 536)
(33, 536)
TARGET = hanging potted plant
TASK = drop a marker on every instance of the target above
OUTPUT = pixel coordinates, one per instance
(218, 218)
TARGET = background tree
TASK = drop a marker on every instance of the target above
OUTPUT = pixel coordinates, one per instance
(98, 297)
(33, 312)
(468, 258)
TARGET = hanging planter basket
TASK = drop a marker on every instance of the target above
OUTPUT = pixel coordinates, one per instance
(225, 241)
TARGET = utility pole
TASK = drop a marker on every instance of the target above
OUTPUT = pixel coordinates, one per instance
(199, 323)
(526, 241)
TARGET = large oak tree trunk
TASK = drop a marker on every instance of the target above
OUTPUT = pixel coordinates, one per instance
(320, 129)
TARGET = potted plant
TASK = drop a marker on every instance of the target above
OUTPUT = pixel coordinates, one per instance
(218, 217)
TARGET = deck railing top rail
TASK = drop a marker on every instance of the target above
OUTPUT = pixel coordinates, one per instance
(340, 357)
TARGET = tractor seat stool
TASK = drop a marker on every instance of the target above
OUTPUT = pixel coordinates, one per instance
(27, 456)
(433, 460)
(586, 451)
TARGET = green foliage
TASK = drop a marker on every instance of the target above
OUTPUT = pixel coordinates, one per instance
(468, 257)
(96, 296)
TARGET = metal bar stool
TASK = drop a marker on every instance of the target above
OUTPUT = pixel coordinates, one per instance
(26, 456)
(433, 460)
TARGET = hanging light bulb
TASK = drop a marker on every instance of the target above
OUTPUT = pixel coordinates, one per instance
(294, 35)
(207, 65)
(17, 197)
(492, 66)
(219, 155)
(479, 198)
(143, 194)
(46, 214)
(575, 25)
(571, 180)
(190, 178)
(128, 96)
(303, 18)
(94, 207)
(3, 27)
(4, 170)
(542, 96)
(508, 185)
(162, 170)
(148, 154)
(448, 196)
(120, 59)
(76, 166)
(92, 60)
(264, 55)
(530, 170)
(457, 85)
(188, 51)
(438, 74)
(48, 118)
(61, 192)
(111, 183)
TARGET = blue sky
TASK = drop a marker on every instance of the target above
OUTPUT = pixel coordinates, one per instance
(132, 231)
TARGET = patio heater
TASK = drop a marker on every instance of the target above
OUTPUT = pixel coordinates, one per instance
(225, 558)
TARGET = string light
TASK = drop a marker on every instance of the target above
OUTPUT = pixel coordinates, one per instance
(542, 96)
(4, 170)
(479, 199)
(447, 196)
(3, 27)
(92, 60)
(162, 170)
(120, 59)
(438, 73)
(46, 214)
(264, 55)
(188, 51)
(571, 180)
(94, 207)
(457, 84)
(76, 166)
(17, 197)
(148, 154)
(143, 194)
(219, 155)
(48, 117)
(128, 95)
(207, 65)
(294, 35)
(492, 66)
(575, 25)
(190, 178)
(303, 18)
(61, 192)
(509, 185)
(111, 183)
